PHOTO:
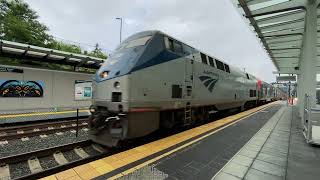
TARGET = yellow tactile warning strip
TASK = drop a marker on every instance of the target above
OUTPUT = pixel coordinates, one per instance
(40, 113)
(110, 163)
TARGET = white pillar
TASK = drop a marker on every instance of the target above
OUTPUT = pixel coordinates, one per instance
(300, 94)
(309, 54)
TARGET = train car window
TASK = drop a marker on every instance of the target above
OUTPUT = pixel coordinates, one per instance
(226, 66)
(169, 44)
(177, 47)
(187, 50)
(247, 76)
(211, 62)
(203, 58)
(220, 65)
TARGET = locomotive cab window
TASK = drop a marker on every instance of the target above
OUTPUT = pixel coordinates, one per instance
(169, 43)
(187, 50)
(219, 65)
(226, 66)
(203, 58)
(177, 47)
(211, 62)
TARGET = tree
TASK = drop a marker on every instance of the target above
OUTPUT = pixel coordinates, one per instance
(58, 45)
(19, 23)
(97, 52)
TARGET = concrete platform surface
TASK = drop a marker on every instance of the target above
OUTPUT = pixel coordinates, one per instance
(197, 153)
(42, 114)
(277, 151)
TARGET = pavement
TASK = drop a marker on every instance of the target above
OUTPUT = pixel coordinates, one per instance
(278, 151)
(205, 158)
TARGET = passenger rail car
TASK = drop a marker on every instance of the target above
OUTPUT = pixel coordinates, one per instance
(154, 81)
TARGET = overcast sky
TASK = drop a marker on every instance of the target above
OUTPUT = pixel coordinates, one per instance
(213, 26)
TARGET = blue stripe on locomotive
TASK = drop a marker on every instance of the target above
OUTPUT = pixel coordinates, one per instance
(138, 58)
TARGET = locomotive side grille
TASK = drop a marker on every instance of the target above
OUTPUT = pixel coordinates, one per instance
(116, 96)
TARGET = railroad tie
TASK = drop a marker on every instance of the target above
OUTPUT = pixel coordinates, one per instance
(34, 165)
(25, 139)
(59, 157)
(59, 133)
(80, 152)
(3, 142)
(3, 134)
(43, 136)
(98, 148)
(4, 171)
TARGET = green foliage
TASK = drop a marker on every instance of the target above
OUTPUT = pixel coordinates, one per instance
(97, 52)
(66, 47)
(19, 23)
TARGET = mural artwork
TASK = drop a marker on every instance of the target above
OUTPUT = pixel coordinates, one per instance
(21, 88)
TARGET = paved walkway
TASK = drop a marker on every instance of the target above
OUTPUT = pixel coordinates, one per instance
(277, 151)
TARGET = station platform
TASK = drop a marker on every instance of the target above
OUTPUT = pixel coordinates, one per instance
(7, 117)
(262, 143)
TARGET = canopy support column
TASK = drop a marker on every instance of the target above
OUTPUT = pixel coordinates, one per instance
(308, 80)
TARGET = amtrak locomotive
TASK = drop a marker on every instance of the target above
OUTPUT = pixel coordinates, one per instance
(154, 81)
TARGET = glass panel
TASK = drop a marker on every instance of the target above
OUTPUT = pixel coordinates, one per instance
(220, 65)
(266, 4)
(177, 47)
(227, 68)
(203, 58)
(138, 42)
(211, 61)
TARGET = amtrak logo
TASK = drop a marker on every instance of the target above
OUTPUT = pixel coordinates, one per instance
(209, 81)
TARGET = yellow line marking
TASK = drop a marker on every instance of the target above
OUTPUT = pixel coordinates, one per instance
(40, 114)
(185, 145)
(108, 164)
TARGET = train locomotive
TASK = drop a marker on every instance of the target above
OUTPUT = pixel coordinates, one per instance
(154, 81)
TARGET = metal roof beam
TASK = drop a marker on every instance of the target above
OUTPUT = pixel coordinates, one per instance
(245, 8)
(285, 70)
(279, 39)
(296, 15)
(283, 32)
(46, 50)
(282, 26)
(286, 54)
(253, 2)
(281, 7)
(292, 44)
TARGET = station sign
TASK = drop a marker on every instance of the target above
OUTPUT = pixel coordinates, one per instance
(286, 78)
(8, 69)
(83, 90)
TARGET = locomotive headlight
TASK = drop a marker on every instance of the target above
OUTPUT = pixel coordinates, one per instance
(116, 85)
(104, 74)
(92, 108)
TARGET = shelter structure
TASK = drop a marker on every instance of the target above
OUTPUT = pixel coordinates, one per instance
(290, 32)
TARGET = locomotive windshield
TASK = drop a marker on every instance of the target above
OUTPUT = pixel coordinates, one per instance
(134, 43)
(120, 62)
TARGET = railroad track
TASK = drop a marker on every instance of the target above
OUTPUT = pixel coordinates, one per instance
(16, 132)
(35, 163)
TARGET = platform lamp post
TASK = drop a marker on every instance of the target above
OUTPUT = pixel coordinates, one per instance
(120, 27)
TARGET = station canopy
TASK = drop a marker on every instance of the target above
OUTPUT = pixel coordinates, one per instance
(34, 53)
(280, 24)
